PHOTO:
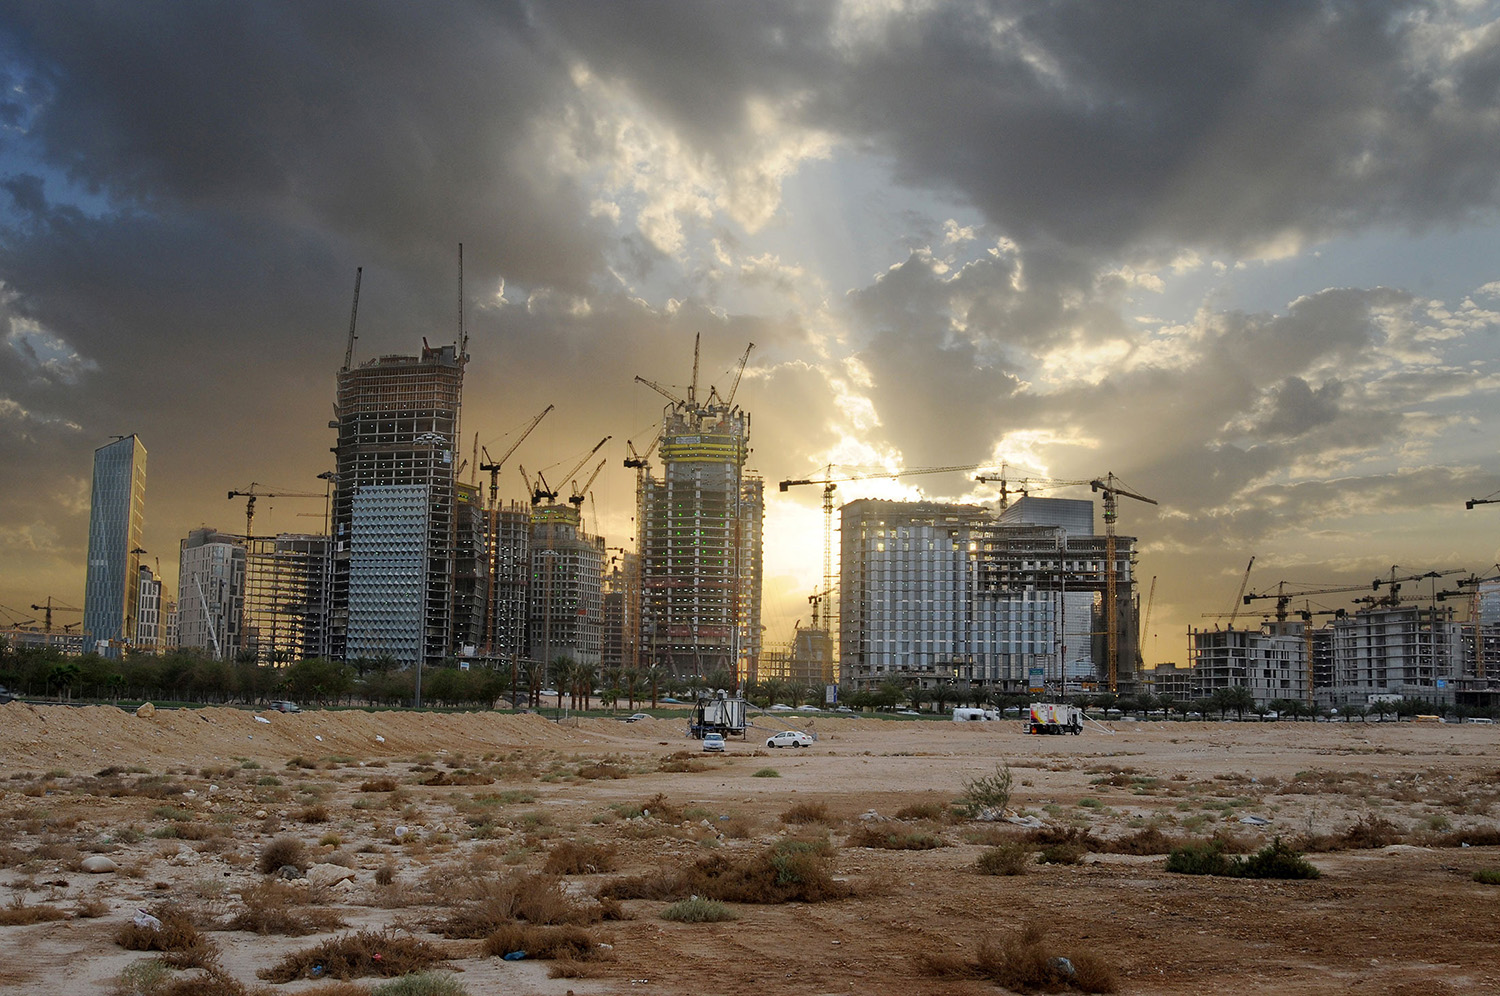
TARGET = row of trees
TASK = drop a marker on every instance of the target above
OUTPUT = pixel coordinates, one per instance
(192, 675)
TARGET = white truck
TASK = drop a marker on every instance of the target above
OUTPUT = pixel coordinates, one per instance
(1054, 718)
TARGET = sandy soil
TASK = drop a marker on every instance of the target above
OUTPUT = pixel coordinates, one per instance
(1403, 918)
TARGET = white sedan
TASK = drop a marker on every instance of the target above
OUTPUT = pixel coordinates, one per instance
(789, 738)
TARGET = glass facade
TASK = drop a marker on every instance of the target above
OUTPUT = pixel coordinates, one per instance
(117, 512)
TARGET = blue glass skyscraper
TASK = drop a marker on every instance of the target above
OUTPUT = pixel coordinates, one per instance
(117, 510)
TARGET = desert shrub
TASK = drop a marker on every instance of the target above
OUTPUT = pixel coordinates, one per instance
(1370, 831)
(1009, 858)
(18, 914)
(538, 899)
(1474, 837)
(894, 838)
(766, 773)
(1275, 860)
(807, 812)
(383, 954)
(560, 942)
(385, 874)
(274, 907)
(986, 792)
(698, 910)
(1147, 840)
(1198, 859)
(142, 978)
(795, 869)
(316, 813)
(1488, 876)
(280, 852)
(420, 984)
(183, 943)
(384, 784)
(1026, 963)
(923, 811)
(1062, 854)
(580, 858)
(602, 769)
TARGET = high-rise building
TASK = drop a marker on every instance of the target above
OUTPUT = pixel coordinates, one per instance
(148, 619)
(397, 422)
(946, 594)
(566, 590)
(510, 550)
(117, 511)
(700, 543)
(211, 592)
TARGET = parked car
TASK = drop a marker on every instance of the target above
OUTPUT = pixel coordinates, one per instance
(637, 717)
(789, 738)
(282, 705)
(713, 741)
(5, 695)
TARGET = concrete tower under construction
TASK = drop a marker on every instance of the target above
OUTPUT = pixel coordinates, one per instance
(700, 539)
(394, 507)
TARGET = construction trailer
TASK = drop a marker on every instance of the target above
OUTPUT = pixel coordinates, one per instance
(720, 714)
(962, 715)
(1052, 718)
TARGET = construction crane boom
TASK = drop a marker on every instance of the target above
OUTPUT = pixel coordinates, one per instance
(48, 607)
(353, 314)
(251, 493)
(1489, 499)
(660, 390)
(734, 388)
(1024, 486)
(578, 493)
(1239, 598)
(884, 474)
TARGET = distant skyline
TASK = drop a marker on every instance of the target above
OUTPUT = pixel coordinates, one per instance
(1243, 256)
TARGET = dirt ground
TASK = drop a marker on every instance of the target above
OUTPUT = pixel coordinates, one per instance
(185, 804)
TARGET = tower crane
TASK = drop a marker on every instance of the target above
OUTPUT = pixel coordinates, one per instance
(830, 484)
(1024, 486)
(728, 402)
(1239, 596)
(353, 314)
(1489, 499)
(251, 493)
(493, 466)
(48, 607)
(576, 498)
(1109, 487)
(639, 461)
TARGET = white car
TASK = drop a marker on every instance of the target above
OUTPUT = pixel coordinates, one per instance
(789, 738)
(713, 741)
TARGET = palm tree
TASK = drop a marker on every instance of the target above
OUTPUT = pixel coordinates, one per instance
(654, 676)
(585, 677)
(563, 668)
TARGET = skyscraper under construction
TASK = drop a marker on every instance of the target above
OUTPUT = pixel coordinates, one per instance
(394, 506)
(700, 540)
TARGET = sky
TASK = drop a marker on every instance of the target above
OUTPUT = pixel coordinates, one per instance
(1243, 256)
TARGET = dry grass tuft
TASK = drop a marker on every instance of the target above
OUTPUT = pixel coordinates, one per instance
(382, 954)
(18, 914)
(379, 785)
(278, 908)
(580, 858)
(791, 870)
(1009, 858)
(281, 852)
(1024, 963)
(560, 942)
(494, 903)
(894, 838)
(183, 943)
(1148, 840)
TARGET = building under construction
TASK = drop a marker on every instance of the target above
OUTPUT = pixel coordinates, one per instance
(286, 597)
(946, 594)
(700, 539)
(395, 520)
